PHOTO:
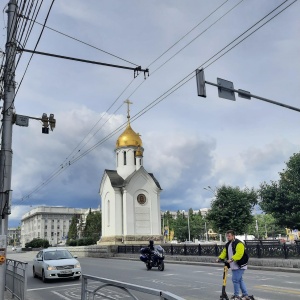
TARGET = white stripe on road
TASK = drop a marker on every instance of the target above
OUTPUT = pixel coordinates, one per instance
(51, 287)
(62, 296)
(170, 275)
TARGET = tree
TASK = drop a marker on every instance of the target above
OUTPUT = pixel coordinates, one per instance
(72, 234)
(196, 224)
(231, 209)
(93, 225)
(266, 227)
(282, 199)
(181, 227)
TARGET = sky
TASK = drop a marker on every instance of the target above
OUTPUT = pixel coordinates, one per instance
(190, 142)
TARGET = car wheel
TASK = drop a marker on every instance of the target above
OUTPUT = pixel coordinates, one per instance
(77, 278)
(43, 276)
(33, 273)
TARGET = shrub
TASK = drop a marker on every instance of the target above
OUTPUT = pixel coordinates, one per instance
(37, 243)
(82, 242)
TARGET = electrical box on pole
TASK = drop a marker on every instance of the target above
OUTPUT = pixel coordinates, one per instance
(200, 83)
(22, 120)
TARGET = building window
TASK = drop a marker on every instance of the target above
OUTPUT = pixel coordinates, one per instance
(124, 154)
(57, 227)
(45, 234)
(45, 226)
(134, 158)
(52, 233)
(52, 226)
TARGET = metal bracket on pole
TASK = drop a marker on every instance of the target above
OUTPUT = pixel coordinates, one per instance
(135, 70)
(6, 207)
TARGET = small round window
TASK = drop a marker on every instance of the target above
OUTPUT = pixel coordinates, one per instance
(141, 199)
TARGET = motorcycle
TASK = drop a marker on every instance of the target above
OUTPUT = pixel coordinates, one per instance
(153, 258)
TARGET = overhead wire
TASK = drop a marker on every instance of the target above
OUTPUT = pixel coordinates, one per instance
(200, 34)
(87, 44)
(179, 41)
(191, 30)
(39, 38)
(178, 85)
(163, 96)
(66, 159)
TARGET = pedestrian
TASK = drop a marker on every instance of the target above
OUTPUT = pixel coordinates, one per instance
(234, 254)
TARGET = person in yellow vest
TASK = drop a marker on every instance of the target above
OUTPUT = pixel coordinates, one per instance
(236, 257)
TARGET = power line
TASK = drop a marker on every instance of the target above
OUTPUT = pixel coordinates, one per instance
(39, 38)
(85, 43)
(187, 33)
(66, 164)
(207, 28)
(159, 99)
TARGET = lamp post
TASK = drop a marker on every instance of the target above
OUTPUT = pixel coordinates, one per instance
(189, 225)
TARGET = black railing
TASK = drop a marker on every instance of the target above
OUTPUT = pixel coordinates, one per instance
(255, 249)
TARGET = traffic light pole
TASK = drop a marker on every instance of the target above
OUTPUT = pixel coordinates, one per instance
(246, 95)
(228, 91)
(6, 140)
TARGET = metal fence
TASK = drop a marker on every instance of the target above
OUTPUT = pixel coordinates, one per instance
(16, 278)
(255, 249)
(96, 287)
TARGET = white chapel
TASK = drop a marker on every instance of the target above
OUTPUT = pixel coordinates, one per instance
(130, 196)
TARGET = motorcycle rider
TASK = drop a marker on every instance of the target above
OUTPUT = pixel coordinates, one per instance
(150, 249)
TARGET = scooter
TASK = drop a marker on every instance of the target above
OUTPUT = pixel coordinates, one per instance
(225, 272)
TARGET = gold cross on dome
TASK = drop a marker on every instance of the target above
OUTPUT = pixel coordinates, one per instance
(128, 110)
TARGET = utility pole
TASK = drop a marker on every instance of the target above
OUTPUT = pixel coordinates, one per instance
(7, 123)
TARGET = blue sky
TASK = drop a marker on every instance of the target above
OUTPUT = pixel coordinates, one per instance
(190, 142)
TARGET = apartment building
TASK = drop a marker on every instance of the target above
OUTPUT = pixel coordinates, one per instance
(50, 223)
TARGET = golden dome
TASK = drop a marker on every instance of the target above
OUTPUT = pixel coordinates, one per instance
(129, 138)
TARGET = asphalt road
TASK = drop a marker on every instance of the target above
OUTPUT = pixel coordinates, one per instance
(189, 282)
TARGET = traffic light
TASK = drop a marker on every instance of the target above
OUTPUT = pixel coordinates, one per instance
(200, 83)
(52, 122)
(45, 121)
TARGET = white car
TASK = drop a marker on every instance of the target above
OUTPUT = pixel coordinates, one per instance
(55, 263)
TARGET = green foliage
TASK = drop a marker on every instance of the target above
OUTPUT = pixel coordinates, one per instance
(82, 242)
(266, 228)
(180, 225)
(93, 225)
(37, 243)
(72, 234)
(282, 199)
(231, 209)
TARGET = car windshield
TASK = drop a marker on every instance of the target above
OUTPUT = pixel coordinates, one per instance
(57, 254)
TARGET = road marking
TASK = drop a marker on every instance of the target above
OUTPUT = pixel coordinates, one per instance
(170, 275)
(198, 271)
(62, 296)
(277, 289)
(51, 287)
